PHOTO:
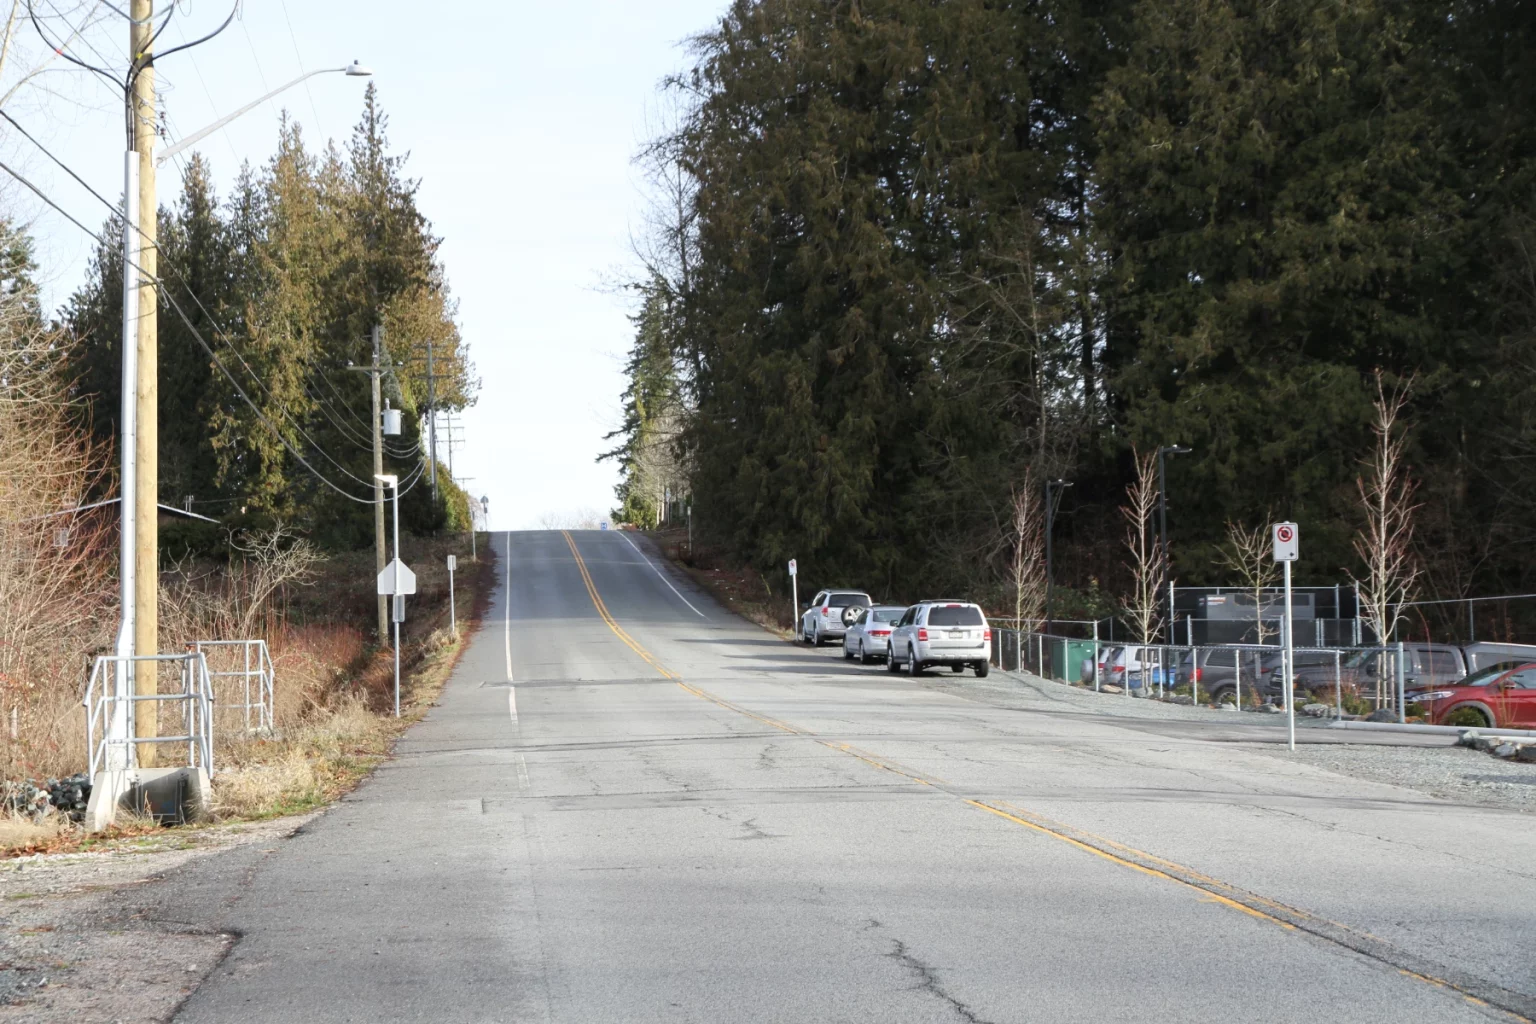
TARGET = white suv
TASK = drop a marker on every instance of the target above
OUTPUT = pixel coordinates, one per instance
(830, 615)
(953, 633)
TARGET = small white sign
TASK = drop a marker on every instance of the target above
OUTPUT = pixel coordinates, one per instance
(453, 562)
(794, 567)
(1287, 542)
(397, 578)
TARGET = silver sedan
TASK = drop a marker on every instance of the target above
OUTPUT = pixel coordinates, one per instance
(866, 639)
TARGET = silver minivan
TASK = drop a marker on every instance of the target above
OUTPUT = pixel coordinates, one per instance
(953, 633)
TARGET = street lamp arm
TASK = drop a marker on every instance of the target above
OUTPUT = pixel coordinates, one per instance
(165, 154)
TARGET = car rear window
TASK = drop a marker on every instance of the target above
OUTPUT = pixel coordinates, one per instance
(886, 615)
(844, 600)
(961, 615)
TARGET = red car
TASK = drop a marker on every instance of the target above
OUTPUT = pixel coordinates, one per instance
(1498, 696)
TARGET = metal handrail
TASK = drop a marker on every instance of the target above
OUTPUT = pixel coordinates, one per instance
(113, 675)
(258, 668)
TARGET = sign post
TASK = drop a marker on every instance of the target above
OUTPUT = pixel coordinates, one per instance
(794, 586)
(397, 580)
(453, 613)
(1287, 545)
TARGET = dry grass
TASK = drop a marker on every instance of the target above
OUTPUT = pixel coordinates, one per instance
(333, 696)
(22, 835)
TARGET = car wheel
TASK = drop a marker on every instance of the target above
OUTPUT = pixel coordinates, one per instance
(1223, 695)
(847, 654)
(816, 635)
(982, 668)
(914, 667)
(1469, 716)
(890, 658)
(864, 658)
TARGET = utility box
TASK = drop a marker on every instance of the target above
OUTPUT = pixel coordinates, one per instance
(392, 422)
(1068, 656)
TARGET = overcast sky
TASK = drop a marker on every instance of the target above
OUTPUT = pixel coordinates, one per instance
(521, 120)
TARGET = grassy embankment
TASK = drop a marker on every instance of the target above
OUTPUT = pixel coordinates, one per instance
(333, 695)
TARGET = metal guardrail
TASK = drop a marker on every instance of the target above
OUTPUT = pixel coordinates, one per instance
(254, 675)
(110, 705)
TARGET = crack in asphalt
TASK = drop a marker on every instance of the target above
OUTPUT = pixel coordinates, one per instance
(928, 981)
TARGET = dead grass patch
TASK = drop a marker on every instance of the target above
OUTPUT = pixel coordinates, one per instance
(23, 835)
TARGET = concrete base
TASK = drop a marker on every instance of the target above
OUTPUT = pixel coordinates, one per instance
(170, 795)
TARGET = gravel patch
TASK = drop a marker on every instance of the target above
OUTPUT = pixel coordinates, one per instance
(1451, 773)
(1445, 771)
(66, 953)
(1030, 692)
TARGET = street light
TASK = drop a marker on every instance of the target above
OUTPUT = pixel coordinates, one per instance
(138, 536)
(1050, 517)
(353, 70)
(1162, 518)
(392, 481)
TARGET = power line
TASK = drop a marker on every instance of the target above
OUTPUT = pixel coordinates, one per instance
(190, 293)
(186, 320)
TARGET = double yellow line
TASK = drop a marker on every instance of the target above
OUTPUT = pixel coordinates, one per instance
(1214, 890)
(602, 609)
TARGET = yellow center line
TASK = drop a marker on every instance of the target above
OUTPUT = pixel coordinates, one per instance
(602, 610)
(1136, 860)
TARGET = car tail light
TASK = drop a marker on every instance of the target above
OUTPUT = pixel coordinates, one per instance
(1199, 674)
(825, 610)
(986, 634)
(922, 634)
(879, 632)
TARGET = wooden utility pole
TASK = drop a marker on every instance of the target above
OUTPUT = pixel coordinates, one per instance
(432, 419)
(374, 371)
(378, 485)
(142, 120)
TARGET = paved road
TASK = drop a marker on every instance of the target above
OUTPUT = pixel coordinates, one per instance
(631, 806)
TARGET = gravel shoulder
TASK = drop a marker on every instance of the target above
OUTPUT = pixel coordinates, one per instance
(67, 954)
(1435, 766)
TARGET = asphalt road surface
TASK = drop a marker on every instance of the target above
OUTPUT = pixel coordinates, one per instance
(632, 806)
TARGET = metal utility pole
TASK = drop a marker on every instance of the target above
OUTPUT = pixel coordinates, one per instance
(1050, 518)
(142, 504)
(432, 419)
(1162, 514)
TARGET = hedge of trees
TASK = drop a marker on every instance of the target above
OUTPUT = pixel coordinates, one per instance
(284, 280)
(913, 252)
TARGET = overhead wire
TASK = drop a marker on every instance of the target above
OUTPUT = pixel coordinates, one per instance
(170, 300)
(213, 321)
(136, 66)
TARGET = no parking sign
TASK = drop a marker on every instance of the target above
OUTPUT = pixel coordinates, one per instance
(1287, 542)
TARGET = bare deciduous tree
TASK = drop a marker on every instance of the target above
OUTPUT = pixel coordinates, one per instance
(1248, 554)
(1384, 543)
(1028, 567)
(56, 591)
(1148, 564)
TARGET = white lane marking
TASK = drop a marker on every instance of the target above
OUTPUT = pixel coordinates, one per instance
(507, 609)
(512, 703)
(659, 573)
(522, 773)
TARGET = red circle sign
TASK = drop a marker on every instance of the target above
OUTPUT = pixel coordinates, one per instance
(1286, 534)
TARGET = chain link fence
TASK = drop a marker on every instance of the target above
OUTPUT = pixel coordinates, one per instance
(1351, 680)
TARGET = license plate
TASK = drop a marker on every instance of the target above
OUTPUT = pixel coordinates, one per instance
(957, 634)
